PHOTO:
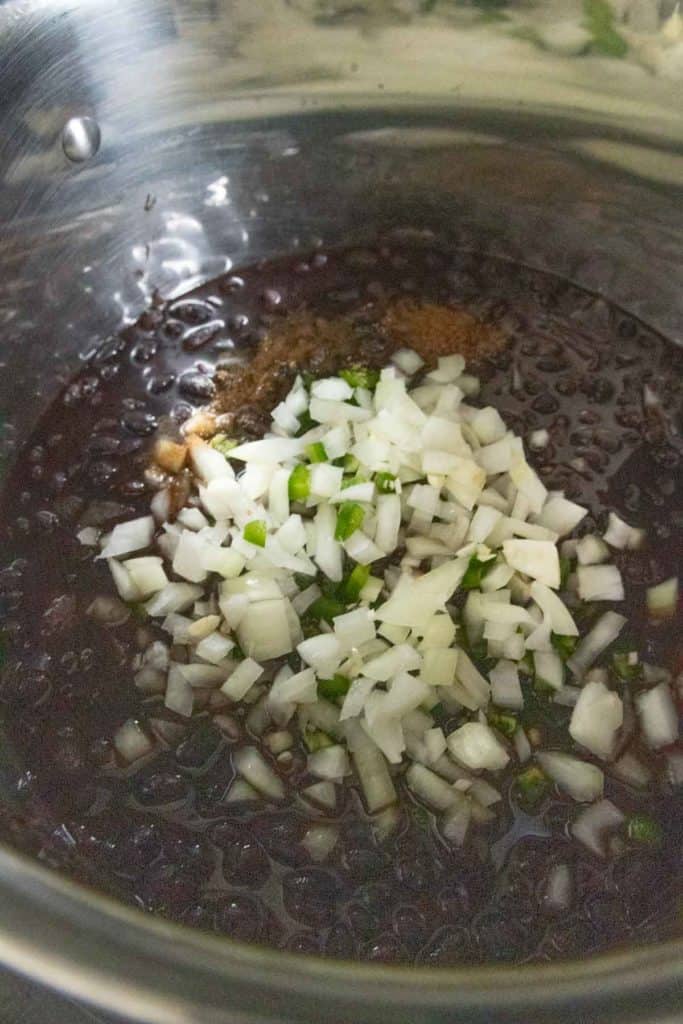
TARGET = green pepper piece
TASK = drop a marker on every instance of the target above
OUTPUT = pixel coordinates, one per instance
(299, 483)
(306, 423)
(564, 645)
(316, 452)
(360, 377)
(316, 739)
(255, 532)
(351, 481)
(565, 571)
(623, 667)
(326, 607)
(223, 444)
(354, 582)
(385, 482)
(476, 570)
(643, 829)
(532, 784)
(504, 721)
(332, 689)
(599, 20)
(349, 519)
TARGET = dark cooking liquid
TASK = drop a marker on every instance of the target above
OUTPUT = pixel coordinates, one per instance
(160, 836)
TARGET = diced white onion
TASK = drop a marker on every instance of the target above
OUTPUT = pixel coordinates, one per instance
(658, 716)
(126, 538)
(319, 841)
(600, 583)
(536, 558)
(596, 719)
(581, 780)
(373, 773)
(331, 763)
(604, 632)
(251, 766)
(591, 550)
(561, 515)
(476, 747)
(662, 599)
(132, 742)
(549, 668)
(620, 535)
(592, 824)
(506, 691)
(242, 680)
(323, 653)
(174, 597)
(263, 630)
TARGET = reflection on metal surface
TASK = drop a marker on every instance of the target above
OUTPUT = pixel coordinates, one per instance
(81, 139)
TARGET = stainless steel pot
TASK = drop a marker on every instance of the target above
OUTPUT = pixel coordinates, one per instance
(153, 143)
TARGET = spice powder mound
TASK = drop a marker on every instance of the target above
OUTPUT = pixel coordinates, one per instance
(304, 340)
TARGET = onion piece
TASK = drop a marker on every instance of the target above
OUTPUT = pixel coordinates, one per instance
(319, 841)
(357, 694)
(596, 719)
(620, 535)
(214, 648)
(126, 538)
(535, 558)
(431, 788)
(549, 668)
(147, 574)
(472, 681)
(658, 716)
(476, 746)
(600, 583)
(323, 653)
(604, 632)
(131, 741)
(241, 792)
(354, 628)
(201, 676)
(263, 630)
(522, 745)
(591, 550)
(330, 763)
(506, 691)
(371, 766)
(401, 657)
(323, 794)
(662, 599)
(108, 611)
(455, 823)
(554, 610)
(123, 581)
(558, 890)
(179, 695)
(439, 666)
(631, 770)
(592, 824)
(561, 515)
(581, 780)
(300, 688)
(174, 597)
(251, 766)
(238, 685)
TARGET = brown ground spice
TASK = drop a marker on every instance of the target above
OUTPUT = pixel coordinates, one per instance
(305, 341)
(434, 330)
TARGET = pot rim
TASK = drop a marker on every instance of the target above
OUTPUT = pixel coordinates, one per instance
(157, 971)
